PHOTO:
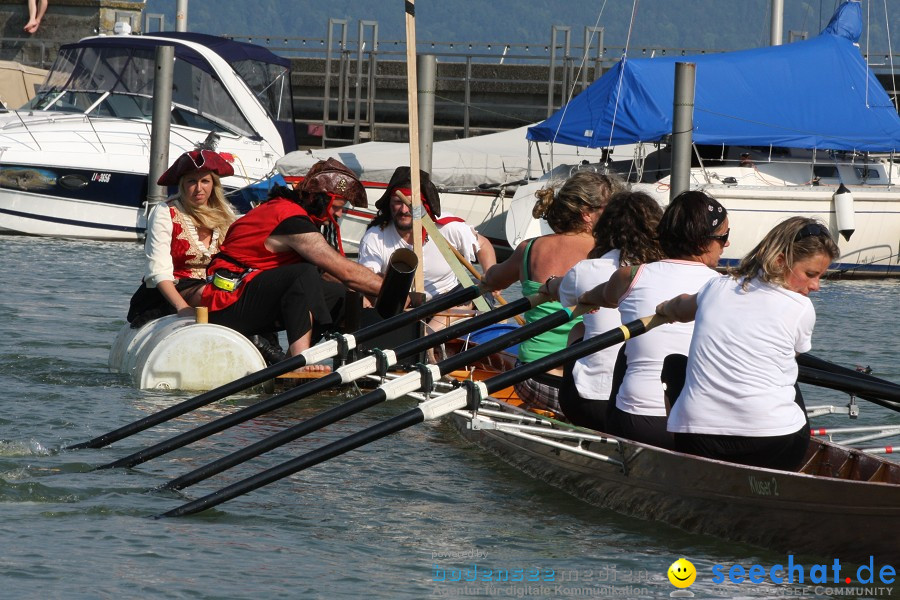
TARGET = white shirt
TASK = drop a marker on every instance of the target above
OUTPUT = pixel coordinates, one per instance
(593, 373)
(158, 245)
(377, 245)
(742, 364)
(641, 392)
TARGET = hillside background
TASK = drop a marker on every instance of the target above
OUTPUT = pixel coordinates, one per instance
(694, 24)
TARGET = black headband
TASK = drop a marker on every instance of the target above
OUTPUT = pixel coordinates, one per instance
(715, 214)
(810, 230)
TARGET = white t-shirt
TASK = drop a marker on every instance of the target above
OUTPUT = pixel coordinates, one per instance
(641, 392)
(377, 245)
(742, 365)
(593, 373)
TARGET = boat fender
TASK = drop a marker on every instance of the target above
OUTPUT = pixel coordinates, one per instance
(843, 211)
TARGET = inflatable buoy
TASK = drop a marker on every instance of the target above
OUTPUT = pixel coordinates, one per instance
(843, 211)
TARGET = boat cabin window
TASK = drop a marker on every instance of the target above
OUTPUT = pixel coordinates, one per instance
(866, 173)
(82, 75)
(825, 171)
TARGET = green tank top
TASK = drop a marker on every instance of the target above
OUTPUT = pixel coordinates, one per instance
(549, 341)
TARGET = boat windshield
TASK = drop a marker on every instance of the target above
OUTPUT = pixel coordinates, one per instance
(118, 82)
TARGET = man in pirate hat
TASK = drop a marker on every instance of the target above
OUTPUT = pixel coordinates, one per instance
(269, 273)
(392, 228)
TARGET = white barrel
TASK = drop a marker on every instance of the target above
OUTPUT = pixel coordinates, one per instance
(178, 354)
(129, 340)
(843, 212)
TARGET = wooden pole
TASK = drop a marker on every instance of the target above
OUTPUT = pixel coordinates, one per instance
(412, 101)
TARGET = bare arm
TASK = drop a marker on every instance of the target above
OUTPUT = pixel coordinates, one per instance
(485, 254)
(607, 294)
(173, 297)
(502, 275)
(315, 250)
(680, 309)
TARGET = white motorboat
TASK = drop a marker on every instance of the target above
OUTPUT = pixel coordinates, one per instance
(74, 160)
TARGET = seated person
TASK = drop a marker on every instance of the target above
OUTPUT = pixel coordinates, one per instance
(183, 234)
(392, 228)
(692, 233)
(571, 211)
(739, 401)
(268, 274)
(624, 235)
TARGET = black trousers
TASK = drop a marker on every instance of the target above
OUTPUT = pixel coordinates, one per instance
(580, 411)
(283, 298)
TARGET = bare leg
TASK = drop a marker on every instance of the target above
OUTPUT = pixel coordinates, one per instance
(36, 10)
(302, 343)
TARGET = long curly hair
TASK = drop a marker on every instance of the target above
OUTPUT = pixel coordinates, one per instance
(217, 214)
(583, 191)
(628, 223)
(792, 240)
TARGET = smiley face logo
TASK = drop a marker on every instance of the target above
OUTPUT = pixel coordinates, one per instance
(682, 573)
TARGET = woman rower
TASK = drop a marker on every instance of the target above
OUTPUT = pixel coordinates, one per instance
(693, 233)
(571, 212)
(183, 234)
(624, 235)
(740, 402)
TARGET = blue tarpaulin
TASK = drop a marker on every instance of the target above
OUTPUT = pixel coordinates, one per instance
(817, 93)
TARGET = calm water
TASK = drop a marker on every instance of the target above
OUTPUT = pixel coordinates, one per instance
(383, 521)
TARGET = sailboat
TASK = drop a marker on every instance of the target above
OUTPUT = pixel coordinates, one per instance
(74, 160)
(799, 129)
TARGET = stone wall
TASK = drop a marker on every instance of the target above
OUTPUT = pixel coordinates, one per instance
(65, 21)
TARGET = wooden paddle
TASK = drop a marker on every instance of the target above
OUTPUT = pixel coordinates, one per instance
(428, 410)
(345, 374)
(323, 351)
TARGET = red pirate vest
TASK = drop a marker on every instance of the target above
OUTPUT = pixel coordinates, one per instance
(189, 258)
(244, 249)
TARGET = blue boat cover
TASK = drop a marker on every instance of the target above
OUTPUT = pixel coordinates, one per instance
(817, 93)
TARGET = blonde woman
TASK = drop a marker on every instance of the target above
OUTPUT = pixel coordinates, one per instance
(571, 211)
(739, 402)
(183, 234)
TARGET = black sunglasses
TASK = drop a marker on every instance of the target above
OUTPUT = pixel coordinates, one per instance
(811, 230)
(722, 238)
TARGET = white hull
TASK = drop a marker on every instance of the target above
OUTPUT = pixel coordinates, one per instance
(74, 162)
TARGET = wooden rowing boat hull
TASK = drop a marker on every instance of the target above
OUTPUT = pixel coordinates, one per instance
(800, 513)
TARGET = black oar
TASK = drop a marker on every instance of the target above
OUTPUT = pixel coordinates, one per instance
(317, 353)
(882, 393)
(344, 374)
(389, 391)
(814, 362)
(431, 409)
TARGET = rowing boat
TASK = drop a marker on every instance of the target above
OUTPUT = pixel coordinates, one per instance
(842, 504)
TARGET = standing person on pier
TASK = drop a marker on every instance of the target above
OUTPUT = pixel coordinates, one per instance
(572, 211)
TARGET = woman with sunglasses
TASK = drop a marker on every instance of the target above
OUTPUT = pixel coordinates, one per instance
(183, 234)
(740, 402)
(693, 232)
